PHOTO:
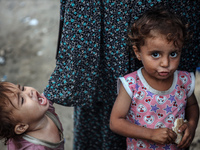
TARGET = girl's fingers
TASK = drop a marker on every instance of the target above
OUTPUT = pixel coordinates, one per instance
(183, 127)
(173, 136)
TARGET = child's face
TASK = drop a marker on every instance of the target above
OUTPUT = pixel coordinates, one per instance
(29, 105)
(159, 57)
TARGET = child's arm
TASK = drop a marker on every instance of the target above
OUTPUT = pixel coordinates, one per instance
(192, 116)
(120, 125)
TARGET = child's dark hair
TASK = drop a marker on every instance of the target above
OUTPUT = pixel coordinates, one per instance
(161, 21)
(7, 123)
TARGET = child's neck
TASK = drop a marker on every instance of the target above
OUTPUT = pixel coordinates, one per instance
(45, 128)
(160, 85)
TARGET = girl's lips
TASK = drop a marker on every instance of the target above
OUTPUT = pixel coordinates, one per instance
(42, 99)
(163, 73)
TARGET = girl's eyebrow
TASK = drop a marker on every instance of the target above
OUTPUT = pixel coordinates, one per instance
(154, 51)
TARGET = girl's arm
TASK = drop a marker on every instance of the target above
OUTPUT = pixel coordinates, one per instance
(192, 116)
(120, 125)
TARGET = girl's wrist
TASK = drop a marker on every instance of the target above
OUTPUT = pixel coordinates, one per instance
(192, 124)
(150, 134)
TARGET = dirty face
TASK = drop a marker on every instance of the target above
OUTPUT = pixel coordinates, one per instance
(28, 106)
(160, 58)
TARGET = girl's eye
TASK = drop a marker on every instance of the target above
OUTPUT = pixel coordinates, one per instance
(155, 55)
(21, 88)
(22, 100)
(173, 54)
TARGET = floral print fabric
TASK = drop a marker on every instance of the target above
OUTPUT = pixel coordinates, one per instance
(154, 109)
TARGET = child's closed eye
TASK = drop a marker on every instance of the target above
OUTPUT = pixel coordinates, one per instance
(22, 101)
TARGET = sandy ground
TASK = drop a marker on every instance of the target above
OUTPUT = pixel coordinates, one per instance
(28, 40)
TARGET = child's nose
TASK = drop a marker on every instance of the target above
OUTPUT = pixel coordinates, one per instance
(29, 93)
(165, 62)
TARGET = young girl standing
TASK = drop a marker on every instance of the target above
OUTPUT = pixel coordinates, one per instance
(151, 98)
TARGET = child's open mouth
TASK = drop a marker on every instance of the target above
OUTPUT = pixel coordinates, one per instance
(42, 99)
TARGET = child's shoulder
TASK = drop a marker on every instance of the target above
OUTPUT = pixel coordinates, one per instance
(185, 74)
(131, 78)
(132, 74)
(187, 81)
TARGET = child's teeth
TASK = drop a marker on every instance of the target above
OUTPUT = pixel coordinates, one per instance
(42, 100)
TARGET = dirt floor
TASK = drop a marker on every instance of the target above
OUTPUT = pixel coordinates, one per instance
(28, 40)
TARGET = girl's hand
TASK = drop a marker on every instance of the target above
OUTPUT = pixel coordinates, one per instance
(188, 136)
(163, 136)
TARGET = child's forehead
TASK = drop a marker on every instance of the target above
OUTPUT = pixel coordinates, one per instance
(156, 33)
(153, 35)
(159, 34)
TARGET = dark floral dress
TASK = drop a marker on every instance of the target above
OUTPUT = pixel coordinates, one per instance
(93, 52)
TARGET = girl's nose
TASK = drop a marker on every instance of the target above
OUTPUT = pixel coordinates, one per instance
(165, 62)
(29, 92)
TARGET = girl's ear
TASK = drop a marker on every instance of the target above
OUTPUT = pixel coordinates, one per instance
(137, 52)
(21, 128)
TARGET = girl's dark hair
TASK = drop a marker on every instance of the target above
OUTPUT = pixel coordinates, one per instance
(161, 21)
(7, 123)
